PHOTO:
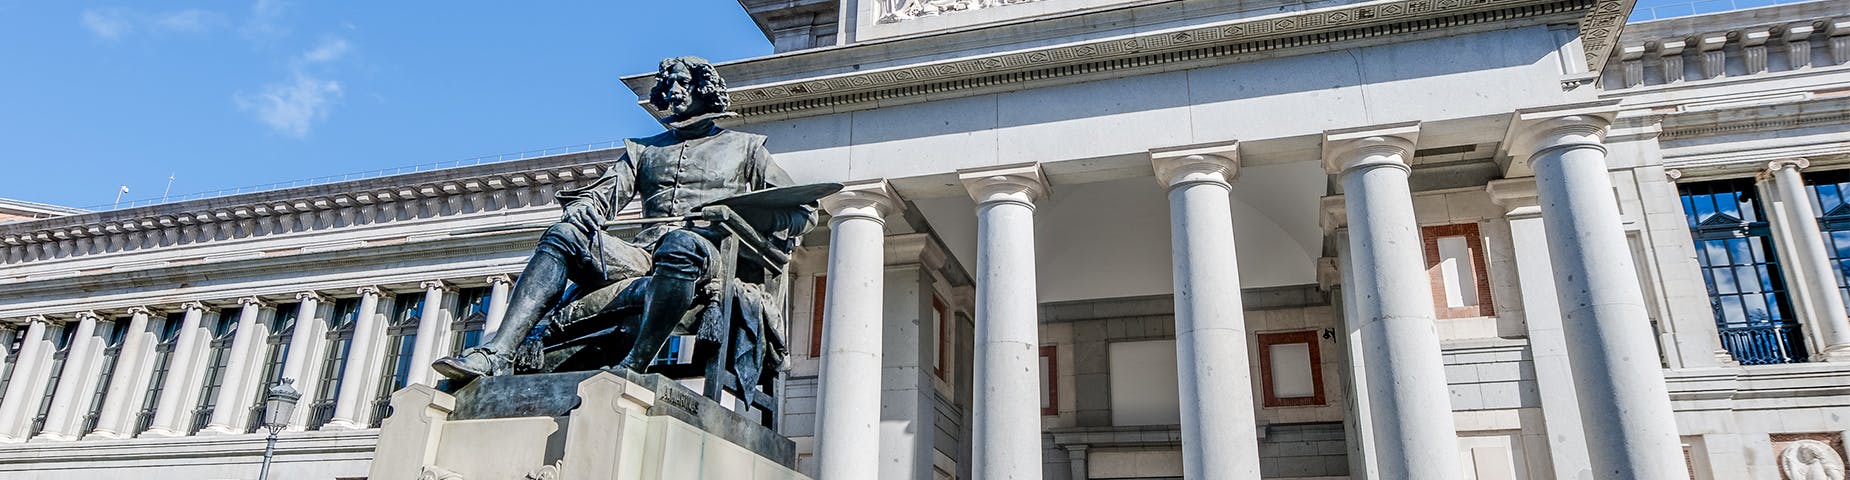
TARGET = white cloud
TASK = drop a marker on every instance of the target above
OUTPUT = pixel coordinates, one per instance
(330, 49)
(292, 107)
(108, 23)
(263, 22)
(115, 23)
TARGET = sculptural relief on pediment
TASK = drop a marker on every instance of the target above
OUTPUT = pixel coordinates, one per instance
(901, 10)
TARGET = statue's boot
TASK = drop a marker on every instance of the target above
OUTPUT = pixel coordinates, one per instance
(668, 300)
(539, 287)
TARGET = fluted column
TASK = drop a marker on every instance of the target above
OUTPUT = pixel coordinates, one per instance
(76, 383)
(305, 344)
(24, 389)
(1624, 405)
(232, 390)
(1817, 284)
(1219, 434)
(129, 384)
(1007, 421)
(362, 362)
(1409, 405)
(431, 328)
(848, 403)
(169, 413)
(500, 287)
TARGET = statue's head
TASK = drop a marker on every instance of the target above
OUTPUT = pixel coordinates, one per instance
(687, 87)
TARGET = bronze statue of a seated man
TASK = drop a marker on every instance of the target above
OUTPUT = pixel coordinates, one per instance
(673, 173)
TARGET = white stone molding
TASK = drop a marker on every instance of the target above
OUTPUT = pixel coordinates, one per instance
(1217, 163)
(128, 385)
(1753, 48)
(1367, 147)
(1403, 380)
(1021, 184)
(1222, 41)
(1632, 59)
(1714, 59)
(1798, 45)
(847, 405)
(1216, 393)
(1839, 30)
(1808, 459)
(1006, 425)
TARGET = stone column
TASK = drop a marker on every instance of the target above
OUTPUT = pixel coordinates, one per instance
(24, 389)
(69, 402)
(500, 287)
(1219, 434)
(1811, 264)
(1076, 461)
(130, 383)
(170, 414)
(1409, 404)
(1554, 379)
(362, 362)
(305, 344)
(1624, 406)
(847, 400)
(232, 390)
(1007, 421)
(431, 328)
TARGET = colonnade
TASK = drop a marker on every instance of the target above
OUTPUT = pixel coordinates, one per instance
(81, 405)
(1628, 425)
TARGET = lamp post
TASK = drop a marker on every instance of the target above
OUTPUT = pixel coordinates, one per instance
(278, 406)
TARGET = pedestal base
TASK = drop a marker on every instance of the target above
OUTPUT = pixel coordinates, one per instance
(598, 424)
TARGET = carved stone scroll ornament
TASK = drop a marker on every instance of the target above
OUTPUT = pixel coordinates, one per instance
(433, 472)
(899, 10)
(1811, 460)
(549, 472)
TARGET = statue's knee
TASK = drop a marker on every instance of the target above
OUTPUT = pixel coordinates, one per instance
(681, 254)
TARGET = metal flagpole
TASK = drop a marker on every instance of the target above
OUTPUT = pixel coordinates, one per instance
(119, 193)
(168, 189)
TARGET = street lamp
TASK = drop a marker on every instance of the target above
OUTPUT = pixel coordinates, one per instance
(278, 406)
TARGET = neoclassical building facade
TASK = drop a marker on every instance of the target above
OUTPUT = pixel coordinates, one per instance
(1433, 239)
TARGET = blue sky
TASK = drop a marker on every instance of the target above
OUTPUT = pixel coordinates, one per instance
(230, 94)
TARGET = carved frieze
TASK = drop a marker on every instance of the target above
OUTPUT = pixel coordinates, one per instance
(901, 10)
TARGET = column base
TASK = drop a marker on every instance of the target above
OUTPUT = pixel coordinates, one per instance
(52, 437)
(12, 439)
(1836, 354)
(161, 432)
(104, 435)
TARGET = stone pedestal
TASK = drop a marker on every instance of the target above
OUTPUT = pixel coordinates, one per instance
(577, 425)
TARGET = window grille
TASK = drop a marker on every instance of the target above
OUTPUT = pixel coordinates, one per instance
(62, 341)
(222, 334)
(1741, 268)
(112, 354)
(340, 340)
(466, 330)
(400, 338)
(12, 360)
(163, 358)
(276, 350)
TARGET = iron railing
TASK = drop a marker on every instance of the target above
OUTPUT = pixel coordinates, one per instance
(384, 172)
(1764, 344)
(1648, 11)
(320, 413)
(201, 417)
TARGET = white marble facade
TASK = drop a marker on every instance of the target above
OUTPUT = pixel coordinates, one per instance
(1391, 239)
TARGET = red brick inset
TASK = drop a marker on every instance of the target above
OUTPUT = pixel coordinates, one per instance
(1266, 341)
(1429, 240)
(1050, 354)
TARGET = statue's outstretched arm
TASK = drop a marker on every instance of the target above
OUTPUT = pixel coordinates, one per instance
(792, 223)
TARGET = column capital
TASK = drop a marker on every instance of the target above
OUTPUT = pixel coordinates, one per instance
(140, 311)
(40, 319)
(1536, 130)
(1217, 163)
(306, 296)
(1378, 145)
(372, 290)
(1021, 183)
(869, 199)
(429, 285)
(88, 315)
(1796, 163)
(190, 306)
(252, 301)
(500, 279)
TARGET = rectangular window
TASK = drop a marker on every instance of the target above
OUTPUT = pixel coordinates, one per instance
(1290, 369)
(1740, 265)
(1050, 380)
(1143, 383)
(223, 331)
(334, 365)
(466, 330)
(112, 353)
(815, 325)
(940, 323)
(1455, 269)
(401, 337)
(275, 351)
(1830, 197)
(61, 345)
(163, 359)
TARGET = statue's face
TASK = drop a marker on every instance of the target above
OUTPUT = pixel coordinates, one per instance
(680, 92)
